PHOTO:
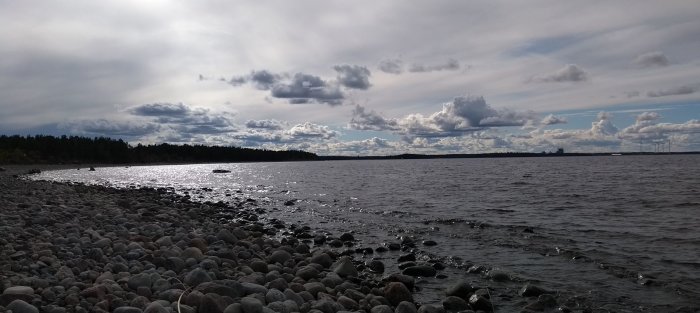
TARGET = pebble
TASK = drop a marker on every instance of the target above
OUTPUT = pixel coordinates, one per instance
(396, 292)
(19, 306)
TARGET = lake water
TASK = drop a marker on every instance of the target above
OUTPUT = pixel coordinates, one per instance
(621, 233)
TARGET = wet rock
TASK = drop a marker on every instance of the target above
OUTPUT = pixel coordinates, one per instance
(406, 258)
(396, 292)
(530, 290)
(279, 256)
(226, 236)
(480, 303)
(429, 243)
(375, 266)
(408, 281)
(394, 246)
(314, 288)
(347, 303)
(460, 289)
(498, 275)
(323, 259)
(428, 308)
(326, 306)
(19, 290)
(220, 171)
(19, 306)
(347, 237)
(420, 270)
(454, 304)
(476, 269)
(344, 267)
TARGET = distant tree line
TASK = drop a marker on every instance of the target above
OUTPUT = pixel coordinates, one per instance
(74, 149)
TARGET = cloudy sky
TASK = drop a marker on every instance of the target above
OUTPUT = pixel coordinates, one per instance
(357, 77)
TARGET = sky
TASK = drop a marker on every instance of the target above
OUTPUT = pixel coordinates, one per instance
(357, 77)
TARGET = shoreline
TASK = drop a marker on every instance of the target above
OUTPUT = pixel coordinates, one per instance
(77, 248)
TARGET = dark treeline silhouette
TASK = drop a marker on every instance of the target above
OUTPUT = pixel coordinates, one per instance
(74, 149)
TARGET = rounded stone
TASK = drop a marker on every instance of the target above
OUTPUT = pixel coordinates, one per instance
(396, 292)
(19, 306)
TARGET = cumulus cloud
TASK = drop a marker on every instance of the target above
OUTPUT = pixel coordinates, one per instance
(648, 116)
(264, 124)
(682, 90)
(450, 65)
(311, 130)
(551, 119)
(647, 129)
(651, 59)
(569, 73)
(460, 116)
(370, 120)
(391, 66)
(160, 109)
(184, 118)
(263, 79)
(353, 76)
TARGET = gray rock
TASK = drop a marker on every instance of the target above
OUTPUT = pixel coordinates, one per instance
(428, 308)
(396, 292)
(460, 289)
(127, 309)
(155, 307)
(406, 307)
(165, 241)
(307, 272)
(376, 266)
(382, 309)
(19, 306)
(234, 308)
(420, 270)
(347, 303)
(274, 295)
(326, 306)
(259, 266)
(291, 295)
(104, 242)
(226, 236)
(233, 289)
(344, 267)
(279, 256)
(498, 275)
(291, 306)
(196, 277)
(278, 307)
(314, 288)
(454, 304)
(139, 280)
(19, 290)
(279, 283)
(251, 288)
(175, 264)
(192, 252)
(251, 305)
(323, 259)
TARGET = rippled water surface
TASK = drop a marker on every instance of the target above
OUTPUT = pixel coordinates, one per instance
(620, 231)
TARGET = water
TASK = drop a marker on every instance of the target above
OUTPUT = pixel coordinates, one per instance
(619, 233)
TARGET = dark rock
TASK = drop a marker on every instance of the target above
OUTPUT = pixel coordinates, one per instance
(406, 307)
(314, 288)
(290, 202)
(394, 246)
(454, 304)
(460, 289)
(429, 243)
(196, 277)
(251, 305)
(232, 289)
(127, 309)
(476, 269)
(213, 303)
(396, 292)
(307, 272)
(381, 309)
(480, 303)
(498, 275)
(375, 266)
(406, 257)
(219, 171)
(323, 259)
(347, 237)
(420, 270)
(259, 266)
(192, 252)
(344, 267)
(405, 265)
(348, 303)
(408, 281)
(155, 307)
(226, 236)
(280, 256)
(530, 290)
(19, 306)
(428, 308)
(139, 280)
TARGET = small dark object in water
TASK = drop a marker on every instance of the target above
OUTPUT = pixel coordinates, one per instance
(34, 171)
(429, 243)
(92, 169)
(221, 171)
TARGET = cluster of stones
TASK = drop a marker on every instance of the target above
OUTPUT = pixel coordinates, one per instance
(73, 248)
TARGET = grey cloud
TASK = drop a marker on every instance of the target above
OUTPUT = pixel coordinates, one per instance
(160, 109)
(353, 76)
(683, 90)
(264, 124)
(311, 130)
(391, 66)
(263, 79)
(113, 128)
(363, 120)
(184, 118)
(552, 120)
(450, 65)
(569, 73)
(648, 116)
(651, 59)
(309, 87)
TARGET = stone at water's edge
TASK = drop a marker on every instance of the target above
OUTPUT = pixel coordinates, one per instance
(396, 292)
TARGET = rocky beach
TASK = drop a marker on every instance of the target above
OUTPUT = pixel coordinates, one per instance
(77, 248)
